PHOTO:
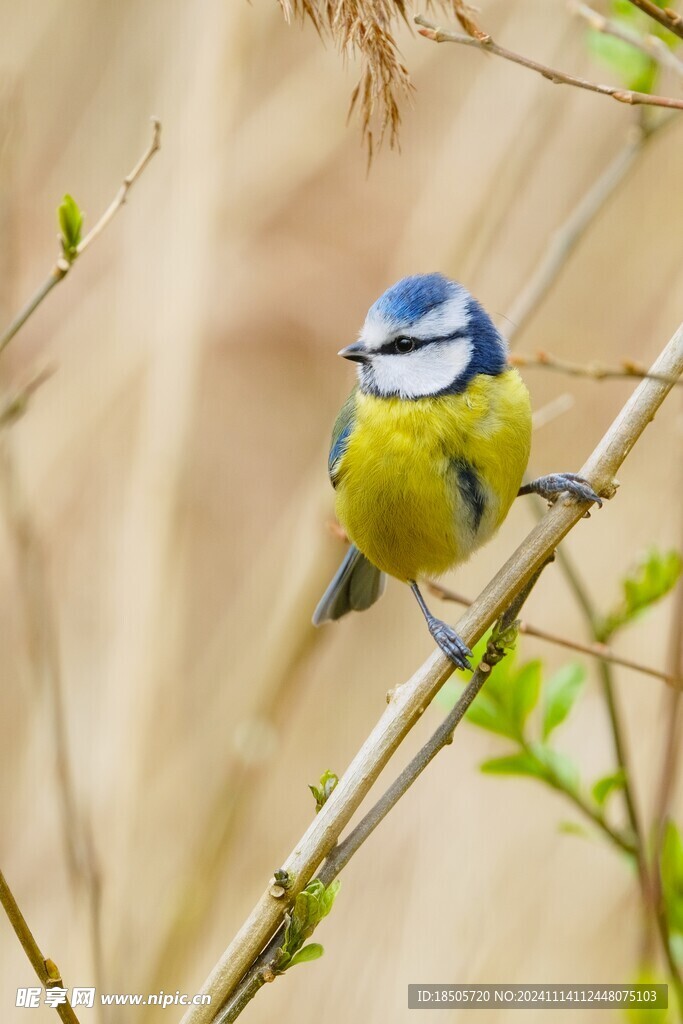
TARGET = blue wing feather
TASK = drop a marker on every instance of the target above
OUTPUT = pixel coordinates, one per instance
(341, 432)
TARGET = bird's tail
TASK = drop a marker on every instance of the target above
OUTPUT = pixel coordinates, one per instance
(356, 585)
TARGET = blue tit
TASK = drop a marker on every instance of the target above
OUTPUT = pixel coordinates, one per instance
(429, 450)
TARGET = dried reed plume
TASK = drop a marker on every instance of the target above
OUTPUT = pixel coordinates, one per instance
(365, 28)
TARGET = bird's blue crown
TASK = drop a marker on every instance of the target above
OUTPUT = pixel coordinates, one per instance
(431, 309)
(409, 299)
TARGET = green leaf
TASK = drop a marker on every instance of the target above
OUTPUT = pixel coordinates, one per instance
(635, 69)
(321, 794)
(605, 786)
(514, 764)
(650, 580)
(328, 896)
(313, 951)
(560, 693)
(71, 225)
(524, 693)
(311, 905)
(671, 867)
(488, 714)
(561, 771)
(505, 703)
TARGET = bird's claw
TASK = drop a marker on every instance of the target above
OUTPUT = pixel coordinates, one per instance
(552, 486)
(455, 649)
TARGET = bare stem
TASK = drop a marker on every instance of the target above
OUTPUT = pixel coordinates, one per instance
(594, 650)
(46, 969)
(664, 15)
(63, 266)
(407, 702)
(595, 371)
(438, 35)
(122, 194)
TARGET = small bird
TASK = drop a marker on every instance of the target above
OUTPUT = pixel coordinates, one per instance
(429, 450)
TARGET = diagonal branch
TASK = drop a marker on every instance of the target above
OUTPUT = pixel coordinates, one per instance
(348, 847)
(46, 969)
(506, 630)
(408, 701)
(431, 31)
(664, 15)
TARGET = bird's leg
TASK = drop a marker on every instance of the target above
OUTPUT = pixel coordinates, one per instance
(552, 486)
(447, 639)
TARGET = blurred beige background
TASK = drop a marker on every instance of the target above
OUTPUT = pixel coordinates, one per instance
(174, 474)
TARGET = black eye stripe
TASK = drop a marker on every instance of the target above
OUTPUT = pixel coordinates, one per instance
(389, 347)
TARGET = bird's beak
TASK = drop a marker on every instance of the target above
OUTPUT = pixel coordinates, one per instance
(356, 352)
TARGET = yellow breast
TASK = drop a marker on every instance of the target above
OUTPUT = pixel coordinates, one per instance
(423, 483)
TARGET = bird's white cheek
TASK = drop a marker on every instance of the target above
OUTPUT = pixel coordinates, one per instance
(425, 372)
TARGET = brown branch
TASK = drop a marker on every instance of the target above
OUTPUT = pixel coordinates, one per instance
(438, 35)
(594, 650)
(652, 46)
(348, 847)
(595, 370)
(46, 969)
(664, 15)
(407, 702)
(62, 265)
(122, 194)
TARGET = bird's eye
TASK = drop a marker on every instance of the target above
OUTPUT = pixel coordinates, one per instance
(403, 345)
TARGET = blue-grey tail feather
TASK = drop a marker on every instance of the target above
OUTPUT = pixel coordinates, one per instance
(356, 585)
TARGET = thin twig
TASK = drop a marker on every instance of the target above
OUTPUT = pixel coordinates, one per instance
(407, 702)
(564, 240)
(46, 969)
(438, 35)
(664, 15)
(594, 650)
(121, 196)
(62, 265)
(595, 371)
(653, 47)
(262, 970)
(340, 856)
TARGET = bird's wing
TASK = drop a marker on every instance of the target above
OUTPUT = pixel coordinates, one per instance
(341, 432)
